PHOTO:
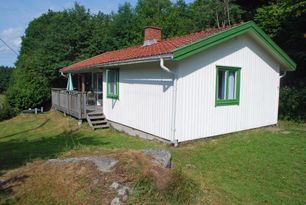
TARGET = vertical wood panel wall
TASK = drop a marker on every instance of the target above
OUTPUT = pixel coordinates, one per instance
(197, 115)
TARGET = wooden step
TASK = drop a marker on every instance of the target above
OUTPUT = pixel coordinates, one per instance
(97, 120)
(95, 114)
(101, 126)
(96, 117)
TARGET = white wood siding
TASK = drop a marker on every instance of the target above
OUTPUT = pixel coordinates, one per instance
(198, 117)
(145, 96)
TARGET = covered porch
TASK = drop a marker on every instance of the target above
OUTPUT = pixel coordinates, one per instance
(82, 95)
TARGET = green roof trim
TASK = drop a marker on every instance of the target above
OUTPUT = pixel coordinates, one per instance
(201, 45)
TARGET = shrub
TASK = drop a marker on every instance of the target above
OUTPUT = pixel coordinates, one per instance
(6, 111)
(28, 90)
(293, 102)
(5, 75)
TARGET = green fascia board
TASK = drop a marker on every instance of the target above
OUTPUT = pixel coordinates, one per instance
(203, 44)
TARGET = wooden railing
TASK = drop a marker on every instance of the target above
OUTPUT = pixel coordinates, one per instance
(70, 102)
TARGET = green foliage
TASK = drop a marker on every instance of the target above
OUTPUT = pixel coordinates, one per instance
(285, 22)
(6, 111)
(272, 17)
(208, 13)
(30, 87)
(293, 102)
(5, 75)
(52, 41)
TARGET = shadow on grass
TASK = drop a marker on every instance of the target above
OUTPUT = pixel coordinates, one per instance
(7, 189)
(17, 152)
(28, 130)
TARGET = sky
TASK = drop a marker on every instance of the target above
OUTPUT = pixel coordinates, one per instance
(15, 16)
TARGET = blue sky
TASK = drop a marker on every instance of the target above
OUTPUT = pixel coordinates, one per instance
(16, 14)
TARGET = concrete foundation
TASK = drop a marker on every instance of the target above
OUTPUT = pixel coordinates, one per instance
(135, 132)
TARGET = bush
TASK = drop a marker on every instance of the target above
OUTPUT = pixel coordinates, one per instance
(5, 75)
(293, 102)
(6, 111)
(28, 89)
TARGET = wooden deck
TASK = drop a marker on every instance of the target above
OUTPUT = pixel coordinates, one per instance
(73, 103)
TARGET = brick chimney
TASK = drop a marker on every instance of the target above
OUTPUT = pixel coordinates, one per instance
(151, 35)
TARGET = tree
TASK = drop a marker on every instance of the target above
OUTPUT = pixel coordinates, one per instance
(209, 13)
(123, 30)
(5, 75)
(52, 41)
(178, 20)
(285, 22)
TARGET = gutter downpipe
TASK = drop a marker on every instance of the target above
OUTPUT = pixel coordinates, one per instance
(62, 74)
(284, 74)
(174, 79)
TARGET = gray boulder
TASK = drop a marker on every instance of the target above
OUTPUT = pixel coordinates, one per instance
(116, 201)
(123, 191)
(115, 185)
(103, 163)
(161, 156)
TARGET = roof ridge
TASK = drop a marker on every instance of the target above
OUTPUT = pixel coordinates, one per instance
(197, 32)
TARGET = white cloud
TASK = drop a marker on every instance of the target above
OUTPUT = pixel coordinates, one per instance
(12, 36)
(68, 5)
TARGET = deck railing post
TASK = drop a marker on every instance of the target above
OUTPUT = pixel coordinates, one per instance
(79, 105)
(68, 107)
(59, 99)
(84, 103)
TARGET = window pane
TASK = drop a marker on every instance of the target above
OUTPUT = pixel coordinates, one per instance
(221, 84)
(113, 78)
(115, 83)
(231, 85)
(110, 82)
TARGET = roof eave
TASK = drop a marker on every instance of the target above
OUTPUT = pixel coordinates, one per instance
(203, 44)
(120, 63)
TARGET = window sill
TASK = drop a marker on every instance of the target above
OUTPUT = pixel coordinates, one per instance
(113, 97)
(227, 102)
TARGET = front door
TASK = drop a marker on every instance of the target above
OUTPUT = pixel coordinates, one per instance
(97, 82)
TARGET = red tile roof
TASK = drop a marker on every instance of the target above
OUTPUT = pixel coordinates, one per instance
(166, 46)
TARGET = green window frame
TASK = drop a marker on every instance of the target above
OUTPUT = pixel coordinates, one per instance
(227, 85)
(112, 82)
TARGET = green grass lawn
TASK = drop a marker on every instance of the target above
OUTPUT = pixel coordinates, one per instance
(262, 166)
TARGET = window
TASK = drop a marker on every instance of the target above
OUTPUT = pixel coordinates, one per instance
(112, 80)
(227, 85)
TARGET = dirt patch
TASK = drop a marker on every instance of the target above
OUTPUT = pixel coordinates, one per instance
(78, 182)
(273, 129)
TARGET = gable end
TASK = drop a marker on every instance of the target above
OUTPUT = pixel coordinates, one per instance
(201, 45)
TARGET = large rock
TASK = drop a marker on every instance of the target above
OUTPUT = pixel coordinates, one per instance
(116, 201)
(161, 156)
(103, 164)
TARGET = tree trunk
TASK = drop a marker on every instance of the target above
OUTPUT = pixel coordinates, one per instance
(217, 19)
(228, 12)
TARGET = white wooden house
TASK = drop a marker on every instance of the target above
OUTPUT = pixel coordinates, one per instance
(204, 84)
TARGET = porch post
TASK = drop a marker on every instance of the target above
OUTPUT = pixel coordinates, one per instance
(83, 83)
(79, 82)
